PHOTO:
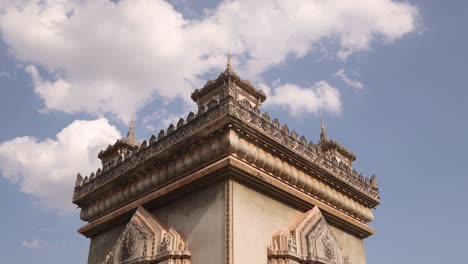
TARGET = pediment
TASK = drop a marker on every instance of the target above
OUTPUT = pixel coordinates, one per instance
(307, 239)
(145, 240)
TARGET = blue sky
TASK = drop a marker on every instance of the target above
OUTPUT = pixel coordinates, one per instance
(388, 77)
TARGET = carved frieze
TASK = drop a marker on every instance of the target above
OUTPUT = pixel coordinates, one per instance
(208, 121)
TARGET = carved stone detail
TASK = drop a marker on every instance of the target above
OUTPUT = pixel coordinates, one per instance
(127, 246)
(307, 239)
(142, 232)
(93, 205)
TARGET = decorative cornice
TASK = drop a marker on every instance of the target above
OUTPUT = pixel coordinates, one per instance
(229, 128)
(309, 151)
(224, 142)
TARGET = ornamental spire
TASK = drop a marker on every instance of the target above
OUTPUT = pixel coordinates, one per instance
(130, 139)
(228, 64)
(131, 132)
(323, 133)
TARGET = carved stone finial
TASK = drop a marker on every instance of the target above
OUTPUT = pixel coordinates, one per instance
(285, 129)
(311, 146)
(161, 134)
(228, 64)
(79, 180)
(323, 133)
(294, 135)
(276, 123)
(131, 132)
(190, 117)
(170, 129)
(130, 139)
(152, 139)
(373, 181)
(180, 123)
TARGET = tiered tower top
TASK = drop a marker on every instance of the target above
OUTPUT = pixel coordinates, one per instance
(228, 126)
(228, 84)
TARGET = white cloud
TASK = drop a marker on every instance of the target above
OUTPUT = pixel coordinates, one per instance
(161, 119)
(318, 97)
(33, 243)
(47, 169)
(355, 84)
(114, 57)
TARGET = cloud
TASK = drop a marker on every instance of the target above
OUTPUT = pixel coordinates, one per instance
(46, 169)
(355, 84)
(33, 243)
(319, 97)
(116, 56)
(161, 119)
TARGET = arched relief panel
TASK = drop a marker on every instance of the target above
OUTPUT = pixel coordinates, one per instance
(145, 240)
(307, 238)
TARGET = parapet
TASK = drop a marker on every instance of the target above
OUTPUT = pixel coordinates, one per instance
(229, 126)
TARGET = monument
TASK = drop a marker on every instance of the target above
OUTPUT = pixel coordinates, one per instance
(228, 184)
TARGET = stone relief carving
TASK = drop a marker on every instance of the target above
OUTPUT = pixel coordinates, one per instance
(316, 242)
(127, 246)
(292, 242)
(328, 247)
(346, 260)
(142, 232)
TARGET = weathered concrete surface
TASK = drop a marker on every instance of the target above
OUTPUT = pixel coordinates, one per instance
(103, 243)
(351, 246)
(256, 218)
(199, 217)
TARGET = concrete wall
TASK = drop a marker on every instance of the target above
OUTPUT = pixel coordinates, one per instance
(256, 218)
(351, 246)
(102, 244)
(199, 217)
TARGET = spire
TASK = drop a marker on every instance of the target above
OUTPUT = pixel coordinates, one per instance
(131, 132)
(130, 139)
(228, 64)
(323, 133)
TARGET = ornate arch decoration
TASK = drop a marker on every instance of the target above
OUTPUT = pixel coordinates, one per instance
(307, 239)
(145, 240)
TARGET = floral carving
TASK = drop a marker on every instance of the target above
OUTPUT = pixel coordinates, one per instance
(137, 243)
(328, 247)
(127, 246)
(308, 231)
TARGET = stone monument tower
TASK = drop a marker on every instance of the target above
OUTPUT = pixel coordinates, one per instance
(228, 184)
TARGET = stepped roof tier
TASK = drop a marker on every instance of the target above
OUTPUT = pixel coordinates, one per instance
(228, 134)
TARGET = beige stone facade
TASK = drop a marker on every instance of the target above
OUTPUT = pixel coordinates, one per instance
(226, 185)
